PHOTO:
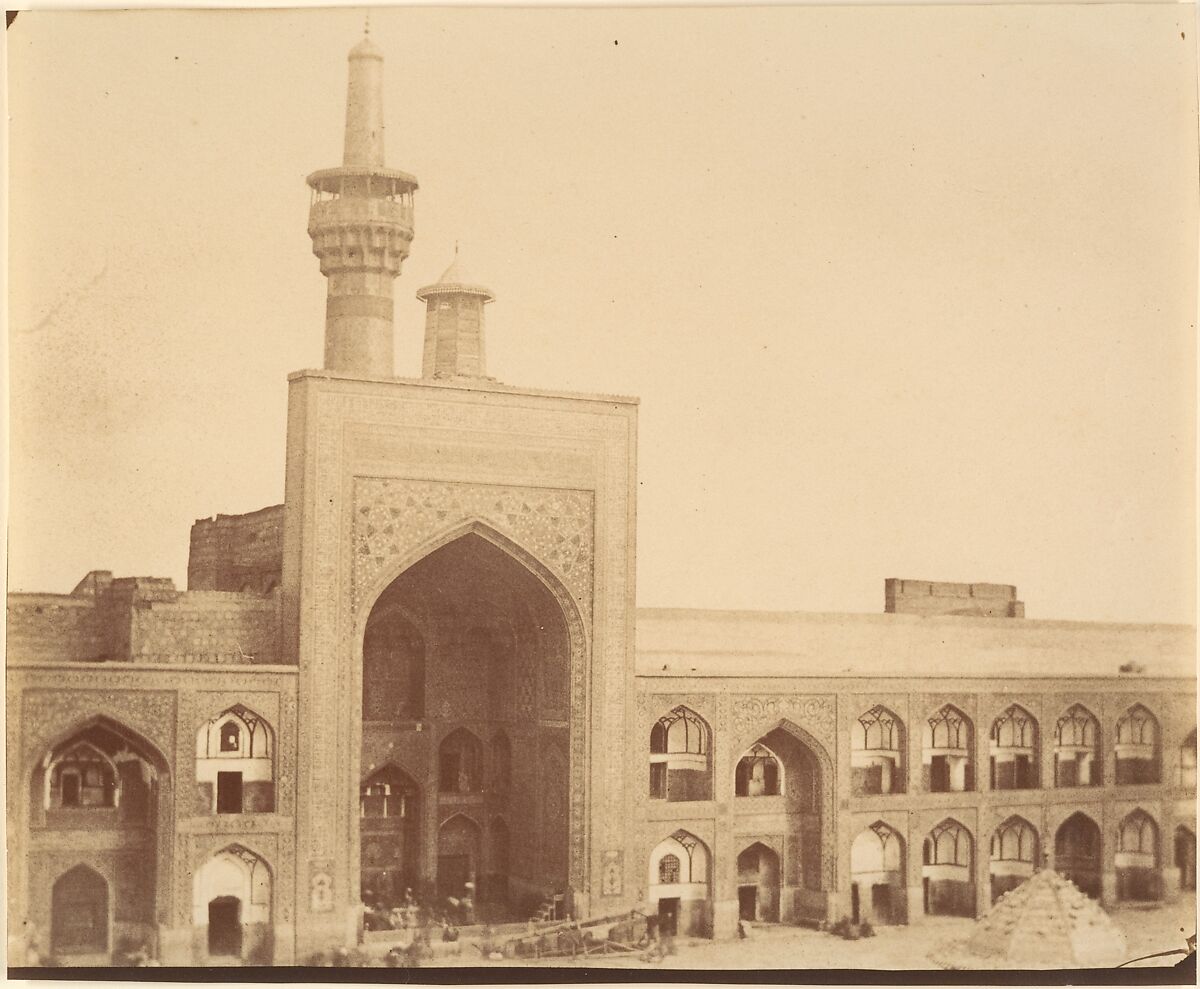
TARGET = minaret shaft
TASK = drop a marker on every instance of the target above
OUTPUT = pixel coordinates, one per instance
(364, 110)
(361, 224)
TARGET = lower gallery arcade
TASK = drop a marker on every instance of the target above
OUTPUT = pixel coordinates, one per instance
(164, 820)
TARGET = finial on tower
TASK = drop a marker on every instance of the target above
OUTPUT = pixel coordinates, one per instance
(367, 24)
(361, 224)
(454, 325)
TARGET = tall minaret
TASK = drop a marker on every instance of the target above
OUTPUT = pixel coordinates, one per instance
(454, 325)
(361, 224)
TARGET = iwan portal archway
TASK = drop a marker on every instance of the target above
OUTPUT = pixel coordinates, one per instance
(467, 659)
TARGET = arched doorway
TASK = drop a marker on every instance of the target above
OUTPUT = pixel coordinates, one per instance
(758, 883)
(79, 913)
(948, 870)
(231, 906)
(1136, 860)
(105, 780)
(1077, 850)
(678, 885)
(778, 781)
(459, 856)
(877, 876)
(225, 926)
(1014, 855)
(390, 827)
(1185, 857)
(478, 639)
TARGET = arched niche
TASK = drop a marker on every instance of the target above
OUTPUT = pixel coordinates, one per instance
(460, 855)
(1078, 852)
(947, 756)
(80, 919)
(117, 789)
(678, 885)
(680, 757)
(877, 745)
(877, 891)
(1015, 852)
(393, 670)
(1137, 858)
(235, 762)
(759, 878)
(947, 871)
(1078, 755)
(232, 894)
(503, 651)
(1137, 747)
(389, 836)
(1014, 750)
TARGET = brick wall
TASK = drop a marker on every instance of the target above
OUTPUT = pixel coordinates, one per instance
(206, 627)
(55, 627)
(144, 619)
(237, 552)
(926, 597)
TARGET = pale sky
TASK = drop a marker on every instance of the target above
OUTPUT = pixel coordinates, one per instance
(905, 292)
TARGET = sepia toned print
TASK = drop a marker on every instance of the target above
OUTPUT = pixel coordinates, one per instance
(414, 715)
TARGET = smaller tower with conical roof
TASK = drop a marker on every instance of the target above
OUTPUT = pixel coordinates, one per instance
(361, 224)
(454, 325)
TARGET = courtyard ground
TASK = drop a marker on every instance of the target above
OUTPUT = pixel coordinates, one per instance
(1147, 930)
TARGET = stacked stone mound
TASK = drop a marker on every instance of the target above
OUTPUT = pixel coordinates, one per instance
(1046, 922)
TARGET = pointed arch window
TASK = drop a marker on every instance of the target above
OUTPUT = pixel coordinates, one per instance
(877, 753)
(1015, 841)
(1014, 750)
(949, 843)
(1138, 834)
(235, 762)
(948, 763)
(1077, 753)
(386, 793)
(1137, 747)
(758, 773)
(460, 763)
(680, 757)
(83, 777)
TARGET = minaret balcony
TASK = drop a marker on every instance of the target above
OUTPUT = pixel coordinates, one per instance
(355, 211)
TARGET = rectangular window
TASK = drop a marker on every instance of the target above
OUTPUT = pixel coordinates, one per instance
(872, 780)
(939, 774)
(70, 790)
(658, 780)
(229, 793)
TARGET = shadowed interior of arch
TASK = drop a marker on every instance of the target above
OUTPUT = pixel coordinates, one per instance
(466, 679)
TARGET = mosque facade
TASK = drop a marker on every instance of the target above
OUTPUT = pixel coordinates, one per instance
(425, 670)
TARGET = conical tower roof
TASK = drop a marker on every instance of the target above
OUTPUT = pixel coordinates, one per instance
(455, 280)
(1046, 922)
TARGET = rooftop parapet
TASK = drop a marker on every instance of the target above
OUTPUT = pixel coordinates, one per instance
(935, 597)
